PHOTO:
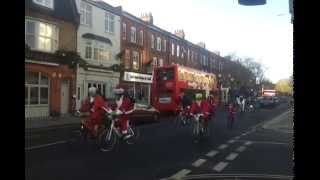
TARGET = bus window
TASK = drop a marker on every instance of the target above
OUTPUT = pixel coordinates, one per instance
(165, 74)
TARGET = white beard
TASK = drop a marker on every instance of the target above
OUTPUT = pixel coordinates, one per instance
(119, 102)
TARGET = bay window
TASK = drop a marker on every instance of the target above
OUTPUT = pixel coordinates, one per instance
(96, 50)
(41, 36)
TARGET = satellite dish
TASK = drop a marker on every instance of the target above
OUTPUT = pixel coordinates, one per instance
(252, 2)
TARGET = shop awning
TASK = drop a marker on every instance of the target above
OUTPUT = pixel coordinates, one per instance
(96, 37)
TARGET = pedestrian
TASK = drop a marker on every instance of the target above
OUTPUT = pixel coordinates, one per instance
(231, 115)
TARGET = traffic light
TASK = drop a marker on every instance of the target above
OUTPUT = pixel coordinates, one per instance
(252, 2)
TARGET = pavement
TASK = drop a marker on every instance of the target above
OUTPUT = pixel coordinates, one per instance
(164, 151)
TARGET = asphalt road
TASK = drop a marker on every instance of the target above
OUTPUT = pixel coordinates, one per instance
(163, 151)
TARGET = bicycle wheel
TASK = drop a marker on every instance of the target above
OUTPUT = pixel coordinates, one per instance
(107, 139)
(135, 132)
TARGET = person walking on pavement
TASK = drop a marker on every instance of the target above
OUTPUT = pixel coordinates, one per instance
(231, 115)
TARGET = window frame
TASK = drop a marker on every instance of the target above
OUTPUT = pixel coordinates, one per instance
(38, 86)
(164, 45)
(108, 21)
(85, 13)
(124, 31)
(172, 49)
(54, 39)
(141, 37)
(152, 41)
(178, 50)
(159, 44)
(133, 34)
(44, 4)
(135, 59)
(103, 52)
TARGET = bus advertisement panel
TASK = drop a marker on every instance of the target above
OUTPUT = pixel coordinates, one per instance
(170, 81)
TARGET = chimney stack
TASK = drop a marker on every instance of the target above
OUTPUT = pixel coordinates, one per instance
(147, 17)
(179, 33)
(202, 44)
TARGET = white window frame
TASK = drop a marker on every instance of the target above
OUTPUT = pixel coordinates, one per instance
(124, 31)
(84, 13)
(172, 49)
(178, 50)
(141, 37)
(103, 50)
(54, 38)
(158, 44)
(133, 34)
(164, 45)
(45, 3)
(39, 86)
(109, 22)
(152, 41)
(160, 62)
(135, 59)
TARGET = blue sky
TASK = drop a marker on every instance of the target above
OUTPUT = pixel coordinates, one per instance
(248, 31)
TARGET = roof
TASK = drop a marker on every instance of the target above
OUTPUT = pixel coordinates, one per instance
(105, 6)
(63, 9)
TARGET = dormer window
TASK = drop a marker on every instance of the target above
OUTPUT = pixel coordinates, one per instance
(45, 3)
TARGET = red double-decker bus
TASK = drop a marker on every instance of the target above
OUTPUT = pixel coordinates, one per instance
(169, 81)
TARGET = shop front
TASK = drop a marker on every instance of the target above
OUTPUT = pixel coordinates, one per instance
(138, 85)
(104, 80)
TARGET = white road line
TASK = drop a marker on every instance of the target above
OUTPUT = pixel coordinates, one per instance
(180, 174)
(222, 146)
(231, 141)
(212, 153)
(232, 156)
(44, 145)
(198, 162)
(248, 143)
(265, 142)
(238, 137)
(241, 149)
(220, 166)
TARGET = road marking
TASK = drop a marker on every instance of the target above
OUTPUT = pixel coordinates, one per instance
(198, 162)
(238, 137)
(180, 174)
(222, 146)
(220, 166)
(231, 141)
(44, 145)
(265, 142)
(212, 153)
(241, 149)
(248, 143)
(232, 156)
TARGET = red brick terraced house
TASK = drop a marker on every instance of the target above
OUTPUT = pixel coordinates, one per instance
(50, 57)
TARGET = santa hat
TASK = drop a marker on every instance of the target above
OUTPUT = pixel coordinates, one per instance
(119, 89)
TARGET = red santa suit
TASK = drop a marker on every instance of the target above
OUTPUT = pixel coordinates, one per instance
(203, 108)
(125, 105)
(96, 111)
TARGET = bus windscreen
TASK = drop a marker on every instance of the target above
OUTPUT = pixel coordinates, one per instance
(164, 74)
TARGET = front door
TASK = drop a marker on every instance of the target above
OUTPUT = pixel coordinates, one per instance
(64, 97)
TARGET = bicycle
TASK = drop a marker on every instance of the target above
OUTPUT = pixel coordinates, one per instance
(183, 118)
(111, 133)
(199, 128)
